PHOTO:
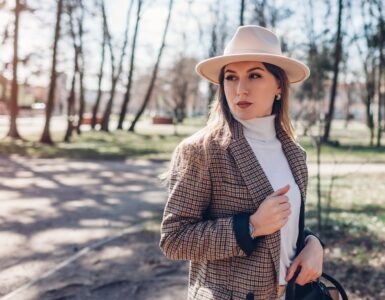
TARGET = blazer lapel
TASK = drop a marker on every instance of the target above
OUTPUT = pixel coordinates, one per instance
(255, 178)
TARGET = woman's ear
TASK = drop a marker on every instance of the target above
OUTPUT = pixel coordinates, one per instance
(278, 86)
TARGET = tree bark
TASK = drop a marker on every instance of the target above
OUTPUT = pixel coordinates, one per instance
(95, 108)
(81, 68)
(46, 136)
(127, 95)
(338, 49)
(241, 15)
(13, 132)
(154, 72)
(381, 81)
(71, 96)
(115, 75)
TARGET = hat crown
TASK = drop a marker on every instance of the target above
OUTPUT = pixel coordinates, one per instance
(253, 39)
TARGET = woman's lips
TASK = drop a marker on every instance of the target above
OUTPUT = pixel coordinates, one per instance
(243, 104)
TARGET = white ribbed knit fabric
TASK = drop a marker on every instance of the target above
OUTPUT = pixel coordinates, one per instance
(261, 135)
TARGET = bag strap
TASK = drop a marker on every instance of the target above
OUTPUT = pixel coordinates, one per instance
(290, 295)
(336, 284)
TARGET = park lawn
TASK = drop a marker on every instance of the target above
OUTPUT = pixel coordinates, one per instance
(98, 145)
(156, 142)
(354, 232)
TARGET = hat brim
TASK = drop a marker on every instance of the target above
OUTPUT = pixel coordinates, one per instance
(295, 70)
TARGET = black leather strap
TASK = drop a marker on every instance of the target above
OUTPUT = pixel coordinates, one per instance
(291, 286)
(336, 284)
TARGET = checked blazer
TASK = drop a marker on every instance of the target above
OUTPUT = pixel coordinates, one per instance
(205, 220)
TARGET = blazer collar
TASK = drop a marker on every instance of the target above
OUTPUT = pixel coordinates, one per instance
(251, 169)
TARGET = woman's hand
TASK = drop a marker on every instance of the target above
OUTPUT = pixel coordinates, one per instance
(309, 260)
(272, 214)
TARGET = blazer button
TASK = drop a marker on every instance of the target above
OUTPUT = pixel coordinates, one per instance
(250, 296)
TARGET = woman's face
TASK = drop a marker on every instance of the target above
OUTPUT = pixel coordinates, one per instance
(250, 89)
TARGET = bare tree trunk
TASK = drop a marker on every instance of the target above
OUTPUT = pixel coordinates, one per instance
(368, 63)
(4, 88)
(46, 136)
(95, 109)
(370, 79)
(81, 101)
(381, 81)
(338, 50)
(241, 15)
(81, 67)
(154, 72)
(71, 106)
(212, 52)
(13, 132)
(71, 96)
(127, 95)
(348, 104)
(114, 76)
(181, 107)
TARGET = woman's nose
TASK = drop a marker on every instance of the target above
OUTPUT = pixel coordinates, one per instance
(242, 87)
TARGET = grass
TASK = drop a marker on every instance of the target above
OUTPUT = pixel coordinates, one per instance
(153, 142)
(98, 145)
(353, 231)
(158, 141)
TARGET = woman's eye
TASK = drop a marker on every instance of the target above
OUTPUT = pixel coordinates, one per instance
(230, 77)
(255, 75)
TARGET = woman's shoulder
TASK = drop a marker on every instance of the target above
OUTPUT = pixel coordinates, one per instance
(199, 142)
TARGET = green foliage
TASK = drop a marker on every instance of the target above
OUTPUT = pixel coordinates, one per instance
(99, 145)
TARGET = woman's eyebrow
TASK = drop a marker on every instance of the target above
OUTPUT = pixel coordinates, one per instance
(249, 70)
(255, 68)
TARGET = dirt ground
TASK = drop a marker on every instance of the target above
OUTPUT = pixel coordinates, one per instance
(89, 230)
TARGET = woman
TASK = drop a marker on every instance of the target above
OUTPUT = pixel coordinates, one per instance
(237, 187)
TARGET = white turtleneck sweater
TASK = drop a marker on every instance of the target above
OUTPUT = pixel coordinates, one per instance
(261, 135)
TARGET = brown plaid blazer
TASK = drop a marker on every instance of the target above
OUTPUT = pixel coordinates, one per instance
(198, 220)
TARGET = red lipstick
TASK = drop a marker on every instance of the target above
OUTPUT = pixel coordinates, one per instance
(244, 104)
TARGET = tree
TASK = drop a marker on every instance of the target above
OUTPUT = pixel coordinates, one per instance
(46, 136)
(368, 60)
(218, 35)
(127, 95)
(95, 108)
(154, 72)
(13, 132)
(337, 59)
(115, 70)
(312, 90)
(78, 71)
(242, 12)
(80, 21)
(381, 69)
(180, 88)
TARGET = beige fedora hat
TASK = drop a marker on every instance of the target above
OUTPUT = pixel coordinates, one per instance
(253, 43)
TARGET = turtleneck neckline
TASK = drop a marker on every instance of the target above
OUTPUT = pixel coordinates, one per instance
(260, 128)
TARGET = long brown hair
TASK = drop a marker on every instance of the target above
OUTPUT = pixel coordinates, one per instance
(220, 119)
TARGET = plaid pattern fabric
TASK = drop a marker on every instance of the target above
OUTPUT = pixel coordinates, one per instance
(197, 223)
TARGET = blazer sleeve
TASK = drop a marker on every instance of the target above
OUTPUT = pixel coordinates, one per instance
(308, 232)
(185, 233)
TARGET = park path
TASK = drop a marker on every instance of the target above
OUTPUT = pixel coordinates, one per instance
(54, 208)
(87, 230)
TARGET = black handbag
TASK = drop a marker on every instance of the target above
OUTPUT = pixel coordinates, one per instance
(315, 290)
